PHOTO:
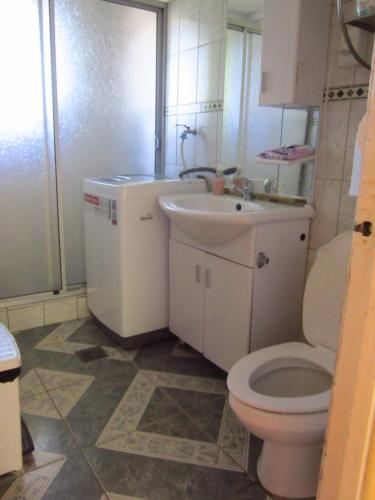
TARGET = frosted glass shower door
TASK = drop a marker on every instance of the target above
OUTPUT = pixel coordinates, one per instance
(29, 250)
(106, 100)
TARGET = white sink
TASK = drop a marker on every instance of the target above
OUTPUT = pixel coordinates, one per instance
(213, 220)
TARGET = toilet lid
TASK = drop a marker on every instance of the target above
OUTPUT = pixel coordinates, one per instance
(325, 293)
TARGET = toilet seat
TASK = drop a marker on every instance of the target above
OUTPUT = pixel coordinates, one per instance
(272, 358)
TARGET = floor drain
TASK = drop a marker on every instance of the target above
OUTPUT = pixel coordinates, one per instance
(91, 353)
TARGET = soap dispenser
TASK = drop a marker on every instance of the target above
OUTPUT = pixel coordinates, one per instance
(219, 183)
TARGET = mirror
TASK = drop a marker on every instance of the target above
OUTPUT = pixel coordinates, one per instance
(249, 129)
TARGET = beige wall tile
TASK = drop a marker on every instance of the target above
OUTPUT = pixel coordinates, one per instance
(346, 210)
(22, 318)
(337, 75)
(83, 311)
(60, 310)
(362, 75)
(327, 202)
(333, 132)
(4, 317)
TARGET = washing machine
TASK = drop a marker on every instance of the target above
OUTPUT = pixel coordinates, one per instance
(126, 247)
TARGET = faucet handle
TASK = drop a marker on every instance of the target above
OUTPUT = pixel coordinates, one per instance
(244, 186)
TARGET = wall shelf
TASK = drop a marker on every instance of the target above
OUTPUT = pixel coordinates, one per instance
(305, 159)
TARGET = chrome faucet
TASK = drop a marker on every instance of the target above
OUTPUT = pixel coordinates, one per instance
(245, 187)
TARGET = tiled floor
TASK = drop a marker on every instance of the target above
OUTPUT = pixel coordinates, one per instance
(152, 423)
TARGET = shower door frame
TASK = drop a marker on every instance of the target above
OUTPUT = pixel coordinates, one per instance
(50, 83)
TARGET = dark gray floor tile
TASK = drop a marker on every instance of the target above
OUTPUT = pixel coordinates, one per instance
(27, 339)
(6, 482)
(91, 413)
(50, 435)
(159, 357)
(255, 448)
(157, 479)
(74, 481)
(90, 333)
(162, 416)
(105, 370)
(205, 409)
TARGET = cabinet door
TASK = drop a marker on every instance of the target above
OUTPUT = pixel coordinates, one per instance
(228, 290)
(186, 293)
(294, 52)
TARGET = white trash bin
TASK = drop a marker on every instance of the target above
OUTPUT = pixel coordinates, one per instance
(10, 413)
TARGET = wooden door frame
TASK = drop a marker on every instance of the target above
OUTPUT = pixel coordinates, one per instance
(348, 449)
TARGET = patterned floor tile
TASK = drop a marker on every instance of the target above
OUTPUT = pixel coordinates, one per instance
(66, 388)
(66, 479)
(185, 351)
(161, 356)
(155, 479)
(91, 413)
(153, 423)
(75, 481)
(105, 370)
(27, 339)
(115, 496)
(30, 384)
(60, 340)
(40, 405)
(53, 379)
(205, 409)
(39, 458)
(133, 427)
(33, 485)
(50, 435)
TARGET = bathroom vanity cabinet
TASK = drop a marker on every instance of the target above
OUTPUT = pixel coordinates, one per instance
(294, 52)
(241, 296)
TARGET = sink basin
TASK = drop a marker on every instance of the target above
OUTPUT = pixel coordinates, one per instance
(213, 220)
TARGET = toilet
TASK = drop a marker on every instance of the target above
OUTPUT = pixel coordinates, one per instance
(282, 393)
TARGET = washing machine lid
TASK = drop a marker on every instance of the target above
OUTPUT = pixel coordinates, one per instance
(119, 180)
(325, 293)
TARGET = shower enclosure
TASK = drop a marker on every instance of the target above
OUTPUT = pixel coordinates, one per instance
(79, 97)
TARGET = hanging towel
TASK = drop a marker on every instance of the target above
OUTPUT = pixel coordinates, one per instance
(358, 156)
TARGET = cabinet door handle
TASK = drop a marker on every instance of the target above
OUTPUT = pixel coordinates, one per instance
(197, 274)
(207, 278)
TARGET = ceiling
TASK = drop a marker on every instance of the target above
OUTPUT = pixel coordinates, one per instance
(245, 6)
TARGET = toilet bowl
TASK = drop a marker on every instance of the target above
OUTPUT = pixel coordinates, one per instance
(282, 393)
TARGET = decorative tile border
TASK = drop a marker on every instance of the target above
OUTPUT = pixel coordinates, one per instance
(345, 93)
(200, 107)
(34, 484)
(57, 341)
(120, 433)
